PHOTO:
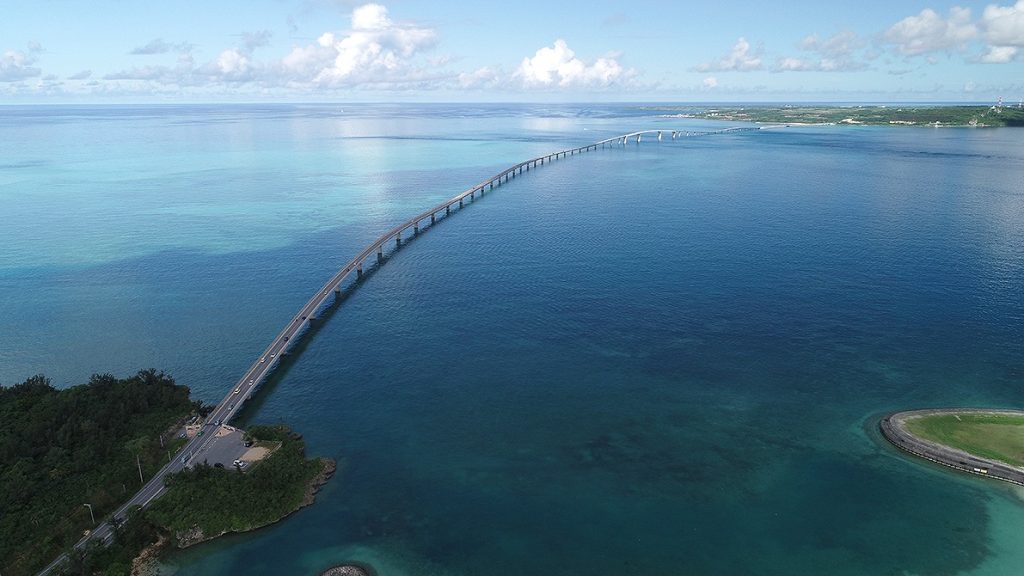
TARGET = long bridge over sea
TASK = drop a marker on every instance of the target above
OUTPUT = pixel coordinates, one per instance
(372, 254)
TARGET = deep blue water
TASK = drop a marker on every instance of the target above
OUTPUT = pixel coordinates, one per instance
(660, 359)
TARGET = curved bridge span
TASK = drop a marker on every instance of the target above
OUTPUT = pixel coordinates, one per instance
(292, 332)
(375, 250)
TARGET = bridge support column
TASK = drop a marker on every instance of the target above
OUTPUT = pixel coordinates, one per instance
(359, 270)
(398, 239)
(337, 290)
(431, 218)
(380, 253)
(460, 202)
(448, 210)
(416, 228)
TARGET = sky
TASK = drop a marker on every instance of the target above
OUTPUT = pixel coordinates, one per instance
(95, 51)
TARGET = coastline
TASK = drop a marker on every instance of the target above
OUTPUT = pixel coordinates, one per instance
(894, 429)
(145, 563)
(195, 535)
(973, 116)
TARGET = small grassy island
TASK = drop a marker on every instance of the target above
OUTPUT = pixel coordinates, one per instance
(88, 444)
(984, 442)
(895, 115)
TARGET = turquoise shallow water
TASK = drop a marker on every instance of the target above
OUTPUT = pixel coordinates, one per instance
(664, 359)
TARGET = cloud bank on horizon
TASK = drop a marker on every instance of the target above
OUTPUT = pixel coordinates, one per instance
(933, 53)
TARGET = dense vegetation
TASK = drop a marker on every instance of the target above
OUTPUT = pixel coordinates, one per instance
(60, 449)
(988, 435)
(130, 537)
(206, 501)
(881, 115)
(218, 500)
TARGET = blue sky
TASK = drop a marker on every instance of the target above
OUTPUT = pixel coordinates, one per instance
(334, 50)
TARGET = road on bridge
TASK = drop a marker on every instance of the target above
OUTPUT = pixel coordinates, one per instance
(254, 376)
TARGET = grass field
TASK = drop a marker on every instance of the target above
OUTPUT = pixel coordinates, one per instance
(994, 436)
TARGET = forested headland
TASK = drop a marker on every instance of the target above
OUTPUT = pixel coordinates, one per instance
(62, 449)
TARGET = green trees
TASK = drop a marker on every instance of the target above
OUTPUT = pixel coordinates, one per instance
(220, 500)
(60, 449)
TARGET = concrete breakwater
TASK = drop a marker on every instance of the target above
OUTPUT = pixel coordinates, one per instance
(894, 428)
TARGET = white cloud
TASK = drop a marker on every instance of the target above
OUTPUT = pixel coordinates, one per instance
(709, 83)
(83, 75)
(485, 77)
(159, 46)
(841, 44)
(930, 32)
(1004, 31)
(375, 50)
(253, 40)
(1004, 26)
(1000, 54)
(794, 65)
(232, 64)
(740, 58)
(557, 65)
(17, 65)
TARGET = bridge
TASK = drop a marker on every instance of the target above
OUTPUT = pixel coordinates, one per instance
(292, 332)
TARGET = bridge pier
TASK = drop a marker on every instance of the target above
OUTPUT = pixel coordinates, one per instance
(380, 252)
(359, 270)
(416, 229)
(398, 239)
(448, 210)
(659, 135)
(460, 202)
(432, 216)
(337, 290)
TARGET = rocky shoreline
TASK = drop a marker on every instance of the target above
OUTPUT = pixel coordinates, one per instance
(318, 481)
(186, 538)
(348, 570)
(145, 563)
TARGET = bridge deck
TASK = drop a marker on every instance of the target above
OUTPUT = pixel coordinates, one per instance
(291, 333)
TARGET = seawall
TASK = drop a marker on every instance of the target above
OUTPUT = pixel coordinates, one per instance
(893, 427)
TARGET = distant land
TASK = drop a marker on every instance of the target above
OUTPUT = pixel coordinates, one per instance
(882, 115)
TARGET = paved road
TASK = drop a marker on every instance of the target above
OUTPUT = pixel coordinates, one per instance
(244, 388)
(895, 431)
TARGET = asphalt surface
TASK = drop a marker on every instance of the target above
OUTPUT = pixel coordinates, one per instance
(244, 388)
(894, 429)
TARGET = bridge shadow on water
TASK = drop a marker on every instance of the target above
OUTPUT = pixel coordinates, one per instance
(288, 359)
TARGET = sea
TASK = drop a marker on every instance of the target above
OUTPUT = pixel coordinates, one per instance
(667, 358)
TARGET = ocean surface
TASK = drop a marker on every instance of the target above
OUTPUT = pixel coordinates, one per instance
(660, 359)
